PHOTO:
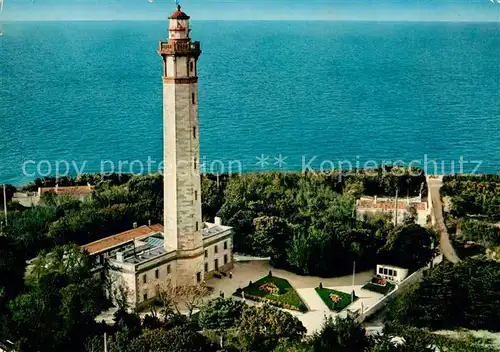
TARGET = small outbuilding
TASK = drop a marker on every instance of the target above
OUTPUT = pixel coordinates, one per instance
(391, 273)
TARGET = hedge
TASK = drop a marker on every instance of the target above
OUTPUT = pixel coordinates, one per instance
(379, 288)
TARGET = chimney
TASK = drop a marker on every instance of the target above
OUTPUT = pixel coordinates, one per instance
(119, 257)
(217, 221)
(57, 187)
(134, 225)
(149, 222)
(375, 199)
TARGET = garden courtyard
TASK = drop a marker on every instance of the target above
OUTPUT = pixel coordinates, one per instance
(306, 287)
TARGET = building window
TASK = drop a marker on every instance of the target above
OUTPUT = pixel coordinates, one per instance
(193, 100)
(157, 273)
(225, 245)
(168, 269)
(395, 273)
(157, 290)
(191, 66)
(216, 250)
(216, 264)
(194, 132)
(206, 253)
(195, 163)
(390, 272)
(385, 271)
(144, 279)
(380, 270)
(198, 277)
(225, 258)
(197, 226)
(145, 297)
(195, 195)
(206, 267)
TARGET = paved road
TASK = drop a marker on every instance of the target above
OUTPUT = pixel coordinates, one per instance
(437, 209)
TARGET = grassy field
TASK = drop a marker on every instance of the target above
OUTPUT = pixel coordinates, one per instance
(286, 298)
(345, 298)
(378, 288)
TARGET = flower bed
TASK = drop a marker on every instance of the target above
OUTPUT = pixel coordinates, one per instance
(379, 281)
(382, 289)
(275, 291)
(335, 300)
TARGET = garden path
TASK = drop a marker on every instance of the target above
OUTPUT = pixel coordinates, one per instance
(304, 285)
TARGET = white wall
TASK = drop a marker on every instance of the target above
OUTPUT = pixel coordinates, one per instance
(392, 273)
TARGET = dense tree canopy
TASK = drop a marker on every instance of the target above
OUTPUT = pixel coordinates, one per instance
(304, 222)
(61, 301)
(263, 328)
(452, 296)
(307, 224)
(473, 195)
(474, 212)
(341, 335)
(408, 246)
(220, 314)
(177, 339)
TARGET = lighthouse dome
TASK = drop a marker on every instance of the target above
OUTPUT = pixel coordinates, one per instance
(179, 15)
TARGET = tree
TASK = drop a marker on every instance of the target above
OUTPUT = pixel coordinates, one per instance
(220, 315)
(287, 346)
(470, 285)
(175, 340)
(48, 198)
(340, 335)
(211, 198)
(62, 299)
(408, 246)
(263, 328)
(271, 238)
(170, 297)
(354, 188)
(127, 323)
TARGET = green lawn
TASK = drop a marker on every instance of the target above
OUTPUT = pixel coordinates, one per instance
(378, 288)
(286, 298)
(345, 298)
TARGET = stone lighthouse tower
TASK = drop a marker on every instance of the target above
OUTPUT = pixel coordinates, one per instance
(182, 194)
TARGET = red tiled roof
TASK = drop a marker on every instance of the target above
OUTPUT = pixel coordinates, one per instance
(112, 241)
(179, 15)
(157, 227)
(389, 205)
(70, 190)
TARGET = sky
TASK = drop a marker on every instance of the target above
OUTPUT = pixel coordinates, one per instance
(365, 10)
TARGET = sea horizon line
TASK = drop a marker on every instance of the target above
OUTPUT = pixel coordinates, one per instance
(252, 20)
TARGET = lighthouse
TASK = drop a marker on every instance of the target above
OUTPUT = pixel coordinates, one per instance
(183, 251)
(182, 188)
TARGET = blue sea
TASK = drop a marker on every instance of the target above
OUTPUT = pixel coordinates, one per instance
(272, 95)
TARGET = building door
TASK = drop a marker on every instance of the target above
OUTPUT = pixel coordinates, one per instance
(198, 277)
(216, 264)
